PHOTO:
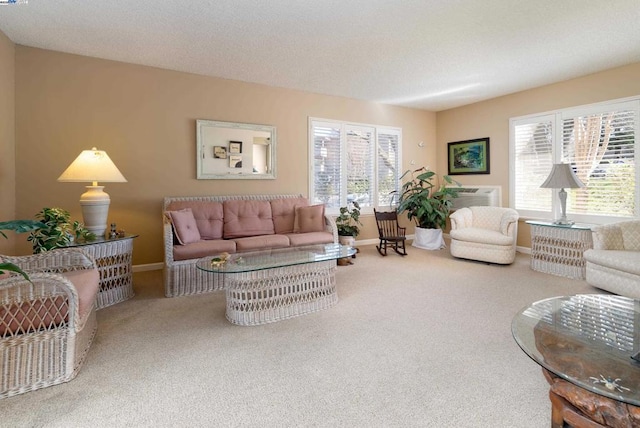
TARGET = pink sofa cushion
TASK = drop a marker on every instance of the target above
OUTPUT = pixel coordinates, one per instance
(208, 216)
(87, 283)
(312, 238)
(202, 249)
(184, 226)
(309, 219)
(284, 213)
(263, 242)
(247, 218)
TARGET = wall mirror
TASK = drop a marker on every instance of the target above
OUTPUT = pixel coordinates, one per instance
(228, 150)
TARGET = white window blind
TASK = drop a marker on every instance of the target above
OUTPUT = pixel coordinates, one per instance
(353, 163)
(601, 149)
(533, 161)
(598, 141)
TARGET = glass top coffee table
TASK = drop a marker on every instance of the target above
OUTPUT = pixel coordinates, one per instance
(590, 341)
(272, 285)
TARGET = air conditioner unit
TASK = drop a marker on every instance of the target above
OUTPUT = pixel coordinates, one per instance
(489, 196)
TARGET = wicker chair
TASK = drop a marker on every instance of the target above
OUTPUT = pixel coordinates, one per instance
(390, 232)
(46, 324)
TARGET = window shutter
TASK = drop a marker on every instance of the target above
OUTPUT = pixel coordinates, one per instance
(353, 163)
(359, 165)
(533, 159)
(326, 162)
(388, 166)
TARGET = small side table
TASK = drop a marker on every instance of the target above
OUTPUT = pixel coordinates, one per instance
(113, 257)
(558, 249)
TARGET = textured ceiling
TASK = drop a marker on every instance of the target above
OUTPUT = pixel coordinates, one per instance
(428, 54)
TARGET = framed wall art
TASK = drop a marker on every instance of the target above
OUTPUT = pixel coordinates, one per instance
(219, 152)
(235, 161)
(468, 157)
(229, 150)
(235, 147)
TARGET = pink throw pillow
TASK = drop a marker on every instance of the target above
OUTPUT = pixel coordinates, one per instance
(309, 219)
(184, 225)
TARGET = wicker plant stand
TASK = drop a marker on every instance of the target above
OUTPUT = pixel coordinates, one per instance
(559, 249)
(273, 285)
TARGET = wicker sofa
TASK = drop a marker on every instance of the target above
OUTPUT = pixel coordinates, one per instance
(200, 226)
(47, 324)
(614, 262)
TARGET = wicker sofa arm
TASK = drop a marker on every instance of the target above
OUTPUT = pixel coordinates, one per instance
(330, 226)
(59, 260)
(167, 233)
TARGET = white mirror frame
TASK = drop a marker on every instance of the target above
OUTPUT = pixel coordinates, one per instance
(214, 159)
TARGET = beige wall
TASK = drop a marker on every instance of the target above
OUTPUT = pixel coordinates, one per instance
(145, 119)
(491, 119)
(7, 138)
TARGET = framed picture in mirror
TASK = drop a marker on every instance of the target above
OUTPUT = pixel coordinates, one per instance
(230, 150)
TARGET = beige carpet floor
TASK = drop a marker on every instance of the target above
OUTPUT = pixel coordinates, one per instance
(419, 341)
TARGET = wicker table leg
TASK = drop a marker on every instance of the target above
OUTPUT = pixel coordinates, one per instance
(270, 295)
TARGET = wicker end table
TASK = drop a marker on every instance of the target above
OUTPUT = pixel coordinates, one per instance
(113, 257)
(273, 285)
(559, 249)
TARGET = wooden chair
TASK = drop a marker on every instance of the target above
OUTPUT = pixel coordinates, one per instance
(390, 232)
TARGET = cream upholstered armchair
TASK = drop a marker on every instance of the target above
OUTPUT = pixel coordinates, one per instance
(614, 262)
(46, 324)
(485, 234)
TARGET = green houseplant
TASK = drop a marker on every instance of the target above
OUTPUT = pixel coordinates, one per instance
(427, 201)
(18, 226)
(348, 220)
(57, 231)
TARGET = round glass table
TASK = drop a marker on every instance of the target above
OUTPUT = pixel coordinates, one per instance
(591, 342)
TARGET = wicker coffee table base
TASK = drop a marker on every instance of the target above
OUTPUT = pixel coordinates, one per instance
(270, 295)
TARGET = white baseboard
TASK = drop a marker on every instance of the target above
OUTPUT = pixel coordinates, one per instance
(146, 267)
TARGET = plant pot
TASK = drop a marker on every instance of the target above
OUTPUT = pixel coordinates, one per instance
(349, 241)
(428, 239)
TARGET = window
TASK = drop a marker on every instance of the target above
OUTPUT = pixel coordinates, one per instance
(353, 163)
(598, 141)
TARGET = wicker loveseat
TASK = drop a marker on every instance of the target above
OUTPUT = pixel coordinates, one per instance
(46, 324)
(614, 262)
(200, 226)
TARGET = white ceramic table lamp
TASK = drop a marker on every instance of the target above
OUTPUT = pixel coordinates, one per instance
(93, 166)
(562, 176)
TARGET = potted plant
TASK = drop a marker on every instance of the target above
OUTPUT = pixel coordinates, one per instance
(18, 226)
(347, 223)
(57, 231)
(427, 201)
